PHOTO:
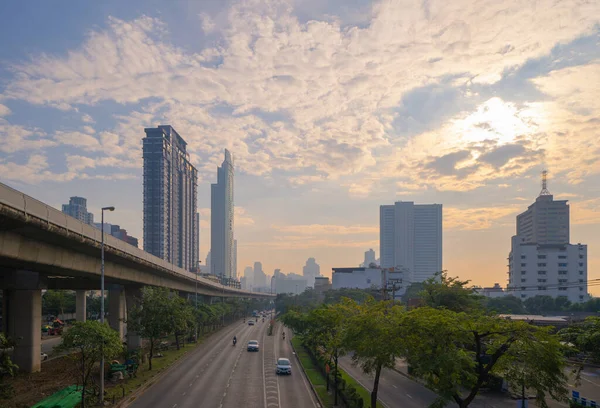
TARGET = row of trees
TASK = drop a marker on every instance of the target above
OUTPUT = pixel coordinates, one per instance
(452, 343)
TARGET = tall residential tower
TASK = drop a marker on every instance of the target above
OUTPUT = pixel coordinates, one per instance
(410, 237)
(77, 208)
(170, 198)
(541, 259)
(221, 220)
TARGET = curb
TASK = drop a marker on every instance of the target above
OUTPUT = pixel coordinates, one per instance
(125, 402)
(312, 387)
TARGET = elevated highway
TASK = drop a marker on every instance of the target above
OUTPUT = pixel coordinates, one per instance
(42, 248)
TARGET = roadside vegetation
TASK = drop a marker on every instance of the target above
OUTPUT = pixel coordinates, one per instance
(453, 342)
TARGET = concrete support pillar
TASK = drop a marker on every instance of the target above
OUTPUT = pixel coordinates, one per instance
(116, 310)
(133, 295)
(80, 305)
(24, 324)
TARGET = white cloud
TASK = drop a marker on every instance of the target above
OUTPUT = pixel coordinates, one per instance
(77, 139)
(4, 111)
(14, 138)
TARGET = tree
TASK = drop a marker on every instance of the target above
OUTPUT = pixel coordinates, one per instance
(58, 302)
(457, 353)
(442, 291)
(539, 304)
(373, 334)
(151, 316)
(181, 317)
(7, 367)
(585, 336)
(91, 340)
(505, 304)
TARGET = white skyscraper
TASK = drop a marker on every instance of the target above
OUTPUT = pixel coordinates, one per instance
(369, 258)
(234, 273)
(541, 260)
(221, 220)
(410, 236)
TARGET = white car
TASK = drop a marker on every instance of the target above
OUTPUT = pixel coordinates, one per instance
(283, 366)
(253, 345)
(44, 356)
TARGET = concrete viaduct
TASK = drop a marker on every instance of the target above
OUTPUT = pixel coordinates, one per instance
(42, 248)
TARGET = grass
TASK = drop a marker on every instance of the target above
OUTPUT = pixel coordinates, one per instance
(144, 376)
(314, 375)
(362, 391)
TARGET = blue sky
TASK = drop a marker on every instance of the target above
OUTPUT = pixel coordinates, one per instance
(330, 108)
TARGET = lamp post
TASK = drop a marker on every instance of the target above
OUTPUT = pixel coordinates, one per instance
(102, 301)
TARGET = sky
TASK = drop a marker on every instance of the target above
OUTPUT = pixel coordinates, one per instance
(331, 108)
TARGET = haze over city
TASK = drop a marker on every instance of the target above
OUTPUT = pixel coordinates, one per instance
(330, 109)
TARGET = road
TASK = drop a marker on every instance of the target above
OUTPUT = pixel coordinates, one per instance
(217, 374)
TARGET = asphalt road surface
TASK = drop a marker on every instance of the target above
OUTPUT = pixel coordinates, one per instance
(220, 375)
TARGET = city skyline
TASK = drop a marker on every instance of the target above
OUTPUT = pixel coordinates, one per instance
(345, 109)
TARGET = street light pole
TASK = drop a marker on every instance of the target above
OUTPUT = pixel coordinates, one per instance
(102, 300)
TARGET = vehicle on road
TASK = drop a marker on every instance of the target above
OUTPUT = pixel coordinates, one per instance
(283, 366)
(253, 345)
(234, 340)
(44, 356)
(250, 322)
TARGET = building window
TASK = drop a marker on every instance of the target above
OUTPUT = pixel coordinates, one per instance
(562, 264)
(580, 263)
(523, 295)
(562, 281)
(580, 256)
(523, 264)
(562, 288)
(524, 280)
(580, 280)
(562, 272)
(523, 256)
(581, 288)
(541, 256)
(580, 297)
(581, 272)
(541, 288)
(523, 272)
(562, 257)
(541, 280)
(541, 272)
(541, 264)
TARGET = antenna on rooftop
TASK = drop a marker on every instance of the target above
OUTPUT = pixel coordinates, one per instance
(544, 191)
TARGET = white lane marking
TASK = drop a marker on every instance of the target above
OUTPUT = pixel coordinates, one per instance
(183, 395)
(174, 406)
(394, 386)
(303, 376)
(369, 389)
(263, 373)
(230, 376)
(408, 395)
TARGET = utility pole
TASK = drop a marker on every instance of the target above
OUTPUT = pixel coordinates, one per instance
(102, 300)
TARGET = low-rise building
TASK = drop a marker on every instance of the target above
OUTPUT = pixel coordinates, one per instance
(367, 278)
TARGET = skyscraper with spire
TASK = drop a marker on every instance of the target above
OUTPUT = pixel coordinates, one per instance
(221, 220)
(541, 260)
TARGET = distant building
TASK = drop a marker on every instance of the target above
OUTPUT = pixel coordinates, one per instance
(322, 284)
(222, 219)
(260, 278)
(249, 275)
(410, 236)
(244, 283)
(310, 271)
(369, 258)
(170, 198)
(208, 263)
(77, 208)
(368, 278)
(291, 283)
(541, 260)
(234, 273)
(117, 232)
(492, 292)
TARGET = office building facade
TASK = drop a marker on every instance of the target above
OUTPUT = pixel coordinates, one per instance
(222, 220)
(170, 198)
(541, 260)
(410, 238)
(77, 208)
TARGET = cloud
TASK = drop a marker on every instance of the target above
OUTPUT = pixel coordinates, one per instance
(327, 229)
(585, 212)
(446, 164)
(4, 111)
(77, 139)
(242, 218)
(315, 95)
(14, 138)
(299, 243)
(479, 218)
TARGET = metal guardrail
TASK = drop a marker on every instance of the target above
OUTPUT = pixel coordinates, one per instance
(35, 208)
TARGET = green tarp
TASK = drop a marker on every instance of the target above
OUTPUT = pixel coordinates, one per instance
(66, 398)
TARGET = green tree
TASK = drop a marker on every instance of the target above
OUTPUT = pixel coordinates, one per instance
(58, 302)
(585, 336)
(450, 293)
(91, 340)
(7, 367)
(373, 334)
(151, 316)
(181, 318)
(457, 354)
(505, 304)
(413, 291)
(539, 304)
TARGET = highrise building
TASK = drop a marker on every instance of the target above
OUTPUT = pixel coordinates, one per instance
(234, 273)
(260, 278)
(221, 219)
(77, 208)
(310, 271)
(208, 263)
(541, 260)
(410, 237)
(369, 258)
(170, 198)
(249, 275)
(117, 232)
